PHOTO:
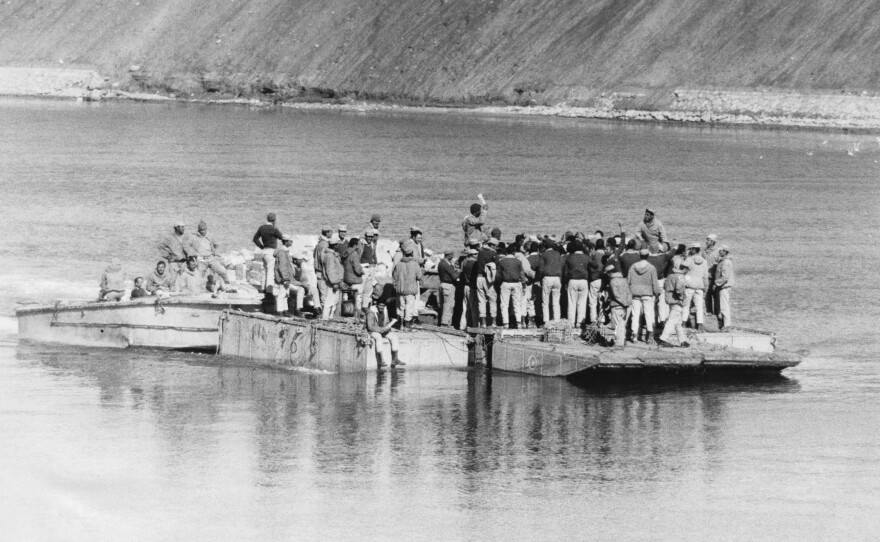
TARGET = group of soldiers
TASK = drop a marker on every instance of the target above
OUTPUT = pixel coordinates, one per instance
(632, 283)
(190, 264)
(635, 284)
(343, 264)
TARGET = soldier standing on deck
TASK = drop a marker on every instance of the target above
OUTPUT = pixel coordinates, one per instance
(469, 296)
(331, 276)
(723, 284)
(484, 285)
(266, 239)
(675, 298)
(473, 223)
(448, 275)
(711, 255)
(697, 283)
(652, 232)
(619, 301)
(283, 275)
(326, 232)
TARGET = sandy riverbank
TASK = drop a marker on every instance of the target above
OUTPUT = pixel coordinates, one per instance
(814, 110)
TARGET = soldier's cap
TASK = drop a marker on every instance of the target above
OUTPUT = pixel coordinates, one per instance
(644, 252)
(448, 254)
(415, 229)
(326, 227)
(694, 245)
(473, 252)
(712, 236)
(650, 211)
(609, 268)
(203, 225)
(342, 227)
(179, 223)
(492, 241)
(270, 217)
(369, 232)
(287, 237)
(334, 239)
(725, 248)
(376, 218)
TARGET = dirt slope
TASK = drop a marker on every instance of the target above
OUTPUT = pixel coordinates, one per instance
(456, 51)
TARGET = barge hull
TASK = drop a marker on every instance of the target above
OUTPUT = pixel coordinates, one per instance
(544, 359)
(333, 346)
(172, 323)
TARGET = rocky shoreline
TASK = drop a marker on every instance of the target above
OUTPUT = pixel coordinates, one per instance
(841, 111)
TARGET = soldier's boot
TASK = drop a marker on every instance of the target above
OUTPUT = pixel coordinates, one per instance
(396, 361)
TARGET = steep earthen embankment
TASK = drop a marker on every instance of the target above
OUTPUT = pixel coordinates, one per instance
(608, 55)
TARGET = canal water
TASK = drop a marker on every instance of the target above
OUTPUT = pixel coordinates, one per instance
(150, 445)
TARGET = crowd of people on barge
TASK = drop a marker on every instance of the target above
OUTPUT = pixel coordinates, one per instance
(636, 284)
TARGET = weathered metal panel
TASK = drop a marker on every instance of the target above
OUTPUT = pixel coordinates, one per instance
(749, 340)
(328, 346)
(538, 360)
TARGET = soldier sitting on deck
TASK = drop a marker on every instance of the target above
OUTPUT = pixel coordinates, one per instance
(190, 281)
(205, 251)
(138, 290)
(160, 282)
(380, 328)
(112, 282)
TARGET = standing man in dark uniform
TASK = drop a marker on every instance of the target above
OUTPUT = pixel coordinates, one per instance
(266, 239)
(448, 275)
(469, 298)
(485, 285)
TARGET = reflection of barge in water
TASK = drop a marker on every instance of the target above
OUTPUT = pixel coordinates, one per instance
(341, 346)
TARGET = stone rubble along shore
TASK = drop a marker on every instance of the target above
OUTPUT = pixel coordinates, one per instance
(738, 107)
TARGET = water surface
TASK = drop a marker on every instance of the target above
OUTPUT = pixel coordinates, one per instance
(108, 445)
